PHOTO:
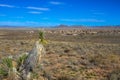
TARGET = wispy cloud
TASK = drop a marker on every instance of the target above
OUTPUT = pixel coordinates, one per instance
(55, 3)
(27, 23)
(6, 5)
(2, 15)
(34, 12)
(44, 18)
(98, 13)
(31, 22)
(82, 20)
(38, 8)
(18, 17)
(9, 23)
(16, 23)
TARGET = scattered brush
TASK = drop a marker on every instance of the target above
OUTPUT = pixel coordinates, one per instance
(10, 68)
(114, 75)
(14, 70)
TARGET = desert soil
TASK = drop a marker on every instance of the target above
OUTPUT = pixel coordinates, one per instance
(71, 54)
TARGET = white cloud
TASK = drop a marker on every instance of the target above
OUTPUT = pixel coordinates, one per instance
(2, 15)
(55, 3)
(9, 23)
(18, 17)
(31, 22)
(35, 12)
(38, 8)
(26, 23)
(17, 23)
(6, 5)
(98, 13)
(82, 20)
(45, 18)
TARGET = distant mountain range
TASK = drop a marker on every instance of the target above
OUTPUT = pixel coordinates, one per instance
(61, 26)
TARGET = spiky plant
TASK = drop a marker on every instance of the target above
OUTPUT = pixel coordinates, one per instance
(42, 38)
(21, 59)
(6, 65)
(11, 69)
(3, 72)
(6, 68)
(7, 62)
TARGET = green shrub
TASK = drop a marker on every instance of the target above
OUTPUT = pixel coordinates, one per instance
(63, 78)
(115, 75)
(21, 59)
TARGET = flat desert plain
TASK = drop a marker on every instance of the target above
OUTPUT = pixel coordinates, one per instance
(71, 53)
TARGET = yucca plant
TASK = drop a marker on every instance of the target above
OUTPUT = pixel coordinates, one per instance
(7, 63)
(42, 38)
(12, 69)
(6, 68)
(21, 59)
(3, 72)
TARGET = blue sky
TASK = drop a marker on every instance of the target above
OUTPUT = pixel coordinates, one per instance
(55, 12)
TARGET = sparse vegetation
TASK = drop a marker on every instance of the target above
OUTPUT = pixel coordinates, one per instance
(94, 56)
(8, 69)
(114, 75)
